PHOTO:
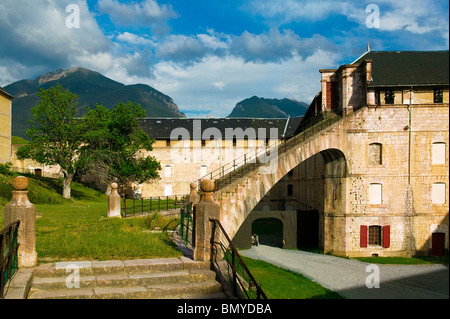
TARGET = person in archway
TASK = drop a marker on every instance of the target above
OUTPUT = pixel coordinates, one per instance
(255, 240)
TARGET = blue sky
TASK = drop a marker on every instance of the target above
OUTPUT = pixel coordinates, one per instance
(208, 54)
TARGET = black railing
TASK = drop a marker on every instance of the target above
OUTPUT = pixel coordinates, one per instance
(261, 155)
(9, 263)
(227, 262)
(133, 207)
(187, 224)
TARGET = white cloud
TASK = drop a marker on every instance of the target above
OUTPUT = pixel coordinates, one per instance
(145, 13)
(236, 79)
(415, 16)
(38, 38)
(134, 39)
(273, 45)
(285, 11)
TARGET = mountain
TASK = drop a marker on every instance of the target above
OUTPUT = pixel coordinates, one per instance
(92, 88)
(269, 108)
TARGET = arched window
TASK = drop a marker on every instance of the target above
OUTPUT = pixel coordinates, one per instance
(168, 171)
(375, 235)
(290, 190)
(375, 154)
(438, 193)
(375, 194)
(438, 153)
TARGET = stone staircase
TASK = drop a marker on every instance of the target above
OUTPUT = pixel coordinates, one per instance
(165, 278)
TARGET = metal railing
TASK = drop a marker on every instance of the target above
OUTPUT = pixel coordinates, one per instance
(187, 224)
(227, 262)
(9, 263)
(238, 168)
(135, 207)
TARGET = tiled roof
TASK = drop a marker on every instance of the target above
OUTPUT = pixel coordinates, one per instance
(406, 68)
(161, 128)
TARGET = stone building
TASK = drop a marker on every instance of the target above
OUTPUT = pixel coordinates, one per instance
(394, 188)
(5, 126)
(189, 149)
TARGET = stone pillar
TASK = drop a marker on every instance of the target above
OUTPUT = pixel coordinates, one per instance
(203, 211)
(193, 197)
(114, 202)
(20, 208)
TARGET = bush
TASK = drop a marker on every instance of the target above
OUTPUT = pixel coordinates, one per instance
(5, 169)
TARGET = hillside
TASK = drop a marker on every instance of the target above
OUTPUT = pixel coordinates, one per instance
(92, 88)
(268, 108)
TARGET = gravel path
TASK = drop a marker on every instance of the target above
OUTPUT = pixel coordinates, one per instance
(348, 277)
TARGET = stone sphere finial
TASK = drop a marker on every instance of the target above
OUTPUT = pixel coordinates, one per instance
(114, 185)
(20, 183)
(193, 185)
(207, 186)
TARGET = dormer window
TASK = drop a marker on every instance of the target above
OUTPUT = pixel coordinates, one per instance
(389, 97)
(438, 95)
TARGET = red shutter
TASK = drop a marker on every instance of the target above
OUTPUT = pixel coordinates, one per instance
(386, 236)
(363, 236)
(332, 95)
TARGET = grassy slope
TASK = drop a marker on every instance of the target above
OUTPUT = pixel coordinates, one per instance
(80, 230)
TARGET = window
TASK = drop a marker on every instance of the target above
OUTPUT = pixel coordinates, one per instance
(203, 143)
(438, 153)
(438, 193)
(203, 170)
(168, 171)
(375, 154)
(375, 194)
(290, 190)
(167, 190)
(438, 95)
(389, 97)
(375, 235)
(168, 142)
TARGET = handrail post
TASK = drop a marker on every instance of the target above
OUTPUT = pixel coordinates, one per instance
(205, 209)
(114, 202)
(20, 208)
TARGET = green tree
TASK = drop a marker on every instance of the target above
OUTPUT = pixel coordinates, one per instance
(120, 144)
(57, 135)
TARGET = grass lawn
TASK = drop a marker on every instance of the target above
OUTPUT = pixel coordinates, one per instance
(79, 229)
(425, 260)
(278, 283)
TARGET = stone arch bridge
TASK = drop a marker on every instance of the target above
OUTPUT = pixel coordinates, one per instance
(349, 200)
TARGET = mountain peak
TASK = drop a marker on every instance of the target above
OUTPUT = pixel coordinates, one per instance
(91, 88)
(60, 74)
(259, 107)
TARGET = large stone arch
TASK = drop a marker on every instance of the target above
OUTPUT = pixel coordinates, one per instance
(237, 200)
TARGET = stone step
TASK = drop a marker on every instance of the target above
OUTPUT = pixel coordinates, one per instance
(124, 279)
(169, 290)
(93, 268)
(131, 279)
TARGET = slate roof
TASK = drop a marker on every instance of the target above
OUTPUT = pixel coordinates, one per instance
(2, 91)
(406, 68)
(161, 128)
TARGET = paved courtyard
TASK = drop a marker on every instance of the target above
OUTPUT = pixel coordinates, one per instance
(348, 277)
